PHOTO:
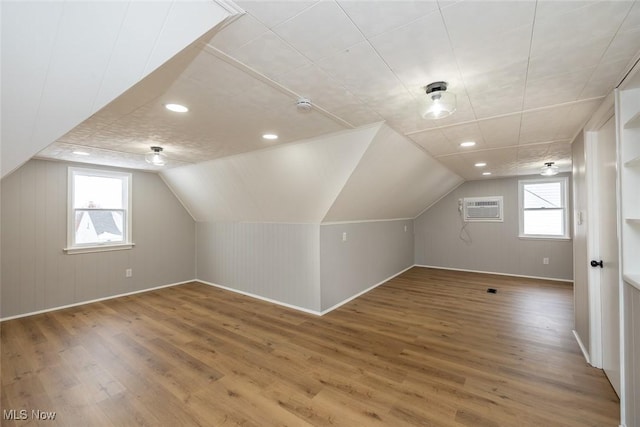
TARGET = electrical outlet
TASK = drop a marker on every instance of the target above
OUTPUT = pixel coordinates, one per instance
(405, 228)
(128, 272)
(545, 260)
(344, 236)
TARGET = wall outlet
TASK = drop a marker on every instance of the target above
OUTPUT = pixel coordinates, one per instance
(128, 272)
(344, 236)
(405, 228)
(545, 260)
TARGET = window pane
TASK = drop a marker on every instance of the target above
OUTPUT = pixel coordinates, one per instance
(97, 192)
(543, 195)
(98, 226)
(548, 221)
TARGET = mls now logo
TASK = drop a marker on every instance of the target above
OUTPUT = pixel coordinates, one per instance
(23, 414)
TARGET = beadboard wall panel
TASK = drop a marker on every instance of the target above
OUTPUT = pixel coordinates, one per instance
(269, 260)
(372, 252)
(494, 247)
(38, 275)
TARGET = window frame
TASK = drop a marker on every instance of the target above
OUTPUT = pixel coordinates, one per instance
(564, 189)
(126, 180)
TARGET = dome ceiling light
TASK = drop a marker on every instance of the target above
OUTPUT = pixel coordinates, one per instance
(549, 169)
(156, 157)
(440, 103)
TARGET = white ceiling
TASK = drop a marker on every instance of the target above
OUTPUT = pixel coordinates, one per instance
(527, 76)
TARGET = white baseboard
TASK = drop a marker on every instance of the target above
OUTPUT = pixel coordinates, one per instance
(260, 297)
(363, 292)
(585, 353)
(75, 304)
(296, 307)
(493, 272)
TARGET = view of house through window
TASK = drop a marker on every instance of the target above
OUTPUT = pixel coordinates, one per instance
(543, 208)
(99, 202)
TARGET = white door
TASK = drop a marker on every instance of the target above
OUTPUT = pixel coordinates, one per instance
(606, 247)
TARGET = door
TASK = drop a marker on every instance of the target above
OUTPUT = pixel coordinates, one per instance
(605, 248)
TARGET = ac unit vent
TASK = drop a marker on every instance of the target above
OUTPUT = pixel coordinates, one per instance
(477, 209)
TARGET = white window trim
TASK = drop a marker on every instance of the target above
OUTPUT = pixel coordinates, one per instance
(564, 188)
(100, 247)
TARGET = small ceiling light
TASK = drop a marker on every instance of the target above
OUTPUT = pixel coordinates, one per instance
(270, 136)
(468, 144)
(486, 173)
(176, 108)
(80, 153)
(549, 169)
(156, 157)
(440, 103)
(304, 105)
(480, 164)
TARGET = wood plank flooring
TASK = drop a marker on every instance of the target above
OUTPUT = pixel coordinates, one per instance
(428, 348)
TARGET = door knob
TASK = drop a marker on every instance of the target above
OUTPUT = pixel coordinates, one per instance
(595, 263)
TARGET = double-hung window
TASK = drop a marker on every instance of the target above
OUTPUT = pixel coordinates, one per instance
(99, 213)
(543, 208)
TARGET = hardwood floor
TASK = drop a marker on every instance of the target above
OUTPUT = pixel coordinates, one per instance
(428, 348)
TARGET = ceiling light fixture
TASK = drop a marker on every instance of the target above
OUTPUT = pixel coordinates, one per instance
(176, 108)
(486, 173)
(80, 153)
(480, 164)
(156, 157)
(440, 103)
(468, 144)
(270, 136)
(304, 105)
(549, 169)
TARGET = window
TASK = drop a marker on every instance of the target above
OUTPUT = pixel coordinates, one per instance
(543, 208)
(99, 214)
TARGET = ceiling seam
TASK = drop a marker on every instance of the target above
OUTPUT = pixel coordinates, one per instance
(532, 144)
(500, 116)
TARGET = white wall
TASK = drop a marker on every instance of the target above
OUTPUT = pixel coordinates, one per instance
(36, 274)
(274, 261)
(495, 247)
(373, 252)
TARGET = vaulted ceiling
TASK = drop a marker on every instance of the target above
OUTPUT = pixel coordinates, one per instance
(527, 75)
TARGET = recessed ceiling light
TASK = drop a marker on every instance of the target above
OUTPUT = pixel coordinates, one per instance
(480, 164)
(176, 108)
(468, 144)
(486, 173)
(80, 153)
(270, 136)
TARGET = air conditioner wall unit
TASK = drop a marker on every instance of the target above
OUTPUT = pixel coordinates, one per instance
(483, 209)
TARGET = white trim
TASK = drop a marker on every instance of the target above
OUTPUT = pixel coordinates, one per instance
(585, 353)
(593, 243)
(75, 304)
(92, 249)
(493, 272)
(260, 297)
(323, 312)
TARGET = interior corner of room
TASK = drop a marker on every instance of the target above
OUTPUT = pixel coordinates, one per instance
(304, 154)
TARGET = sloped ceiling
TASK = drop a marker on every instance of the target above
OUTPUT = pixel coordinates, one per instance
(370, 173)
(527, 75)
(63, 61)
(294, 183)
(394, 179)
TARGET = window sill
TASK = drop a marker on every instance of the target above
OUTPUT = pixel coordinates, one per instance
(98, 248)
(550, 238)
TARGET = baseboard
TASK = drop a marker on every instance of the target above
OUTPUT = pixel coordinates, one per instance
(260, 297)
(62, 307)
(585, 353)
(323, 312)
(296, 307)
(493, 272)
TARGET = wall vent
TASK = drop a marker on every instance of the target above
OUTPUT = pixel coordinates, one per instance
(483, 209)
